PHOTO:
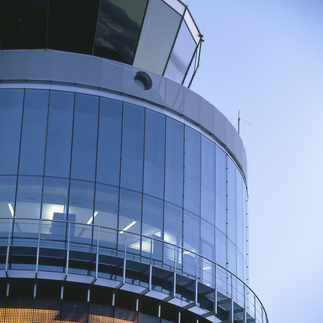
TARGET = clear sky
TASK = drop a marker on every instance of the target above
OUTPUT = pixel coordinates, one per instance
(265, 58)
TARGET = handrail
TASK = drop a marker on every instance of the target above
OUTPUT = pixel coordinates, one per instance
(67, 235)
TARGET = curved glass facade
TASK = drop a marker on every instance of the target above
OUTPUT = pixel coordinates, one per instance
(81, 158)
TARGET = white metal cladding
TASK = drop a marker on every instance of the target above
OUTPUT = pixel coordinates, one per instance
(82, 73)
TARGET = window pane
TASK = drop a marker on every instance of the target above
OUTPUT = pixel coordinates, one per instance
(55, 196)
(59, 134)
(130, 211)
(118, 29)
(23, 24)
(76, 20)
(154, 154)
(192, 193)
(191, 232)
(106, 206)
(173, 224)
(152, 225)
(132, 147)
(221, 253)
(85, 137)
(232, 257)
(109, 146)
(157, 38)
(174, 162)
(80, 202)
(208, 180)
(11, 102)
(232, 206)
(240, 212)
(181, 55)
(221, 178)
(7, 196)
(207, 239)
(28, 197)
(34, 132)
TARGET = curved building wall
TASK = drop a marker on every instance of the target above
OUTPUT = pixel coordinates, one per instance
(88, 159)
(110, 187)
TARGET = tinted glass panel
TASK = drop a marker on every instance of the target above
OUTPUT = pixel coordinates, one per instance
(130, 211)
(207, 240)
(109, 146)
(7, 196)
(71, 25)
(154, 154)
(11, 102)
(173, 224)
(232, 205)
(132, 147)
(192, 193)
(191, 234)
(32, 151)
(59, 134)
(208, 180)
(240, 212)
(85, 137)
(118, 28)
(174, 162)
(106, 206)
(28, 197)
(23, 24)
(232, 257)
(221, 178)
(152, 225)
(221, 253)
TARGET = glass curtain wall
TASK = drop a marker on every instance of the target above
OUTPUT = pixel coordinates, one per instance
(93, 160)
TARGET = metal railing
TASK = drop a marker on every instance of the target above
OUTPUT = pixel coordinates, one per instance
(206, 285)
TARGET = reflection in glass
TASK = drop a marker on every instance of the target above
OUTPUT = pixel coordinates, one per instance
(154, 154)
(174, 162)
(118, 28)
(192, 180)
(221, 257)
(109, 145)
(240, 212)
(33, 137)
(207, 240)
(132, 147)
(11, 101)
(85, 137)
(232, 257)
(59, 134)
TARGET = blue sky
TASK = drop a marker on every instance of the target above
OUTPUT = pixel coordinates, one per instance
(265, 58)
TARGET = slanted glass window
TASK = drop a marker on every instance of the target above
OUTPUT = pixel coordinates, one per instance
(181, 55)
(32, 151)
(221, 191)
(232, 204)
(11, 101)
(59, 134)
(157, 38)
(132, 147)
(192, 181)
(118, 29)
(85, 137)
(174, 162)
(154, 154)
(208, 180)
(71, 25)
(109, 146)
(23, 24)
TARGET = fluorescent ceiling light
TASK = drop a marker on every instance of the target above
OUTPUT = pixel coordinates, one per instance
(128, 226)
(206, 268)
(92, 217)
(11, 209)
